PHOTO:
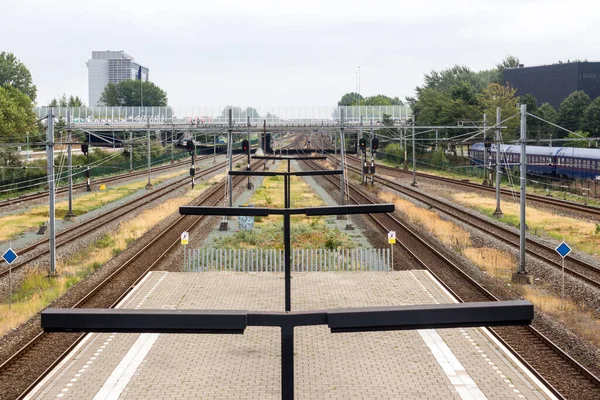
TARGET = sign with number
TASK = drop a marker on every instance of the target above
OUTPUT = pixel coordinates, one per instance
(392, 237)
(185, 238)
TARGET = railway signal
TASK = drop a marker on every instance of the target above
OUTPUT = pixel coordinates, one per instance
(85, 148)
(245, 145)
(375, 144)
(362, 143)
(189, 146)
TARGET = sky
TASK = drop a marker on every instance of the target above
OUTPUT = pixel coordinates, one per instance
(264, 53)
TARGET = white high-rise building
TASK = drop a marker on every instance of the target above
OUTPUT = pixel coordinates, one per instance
(111, 67)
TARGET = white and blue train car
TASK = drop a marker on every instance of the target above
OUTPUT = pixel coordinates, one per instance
(559, 161)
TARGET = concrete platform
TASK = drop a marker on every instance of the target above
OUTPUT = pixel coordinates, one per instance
(424, 364)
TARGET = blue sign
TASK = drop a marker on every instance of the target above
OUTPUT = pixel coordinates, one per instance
(9, 256)
(563, 249)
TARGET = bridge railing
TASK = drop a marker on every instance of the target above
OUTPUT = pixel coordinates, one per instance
(219, 114)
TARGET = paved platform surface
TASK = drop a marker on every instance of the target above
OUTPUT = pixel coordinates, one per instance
(424, 364)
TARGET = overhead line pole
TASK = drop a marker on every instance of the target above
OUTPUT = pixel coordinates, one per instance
(230, 156)
(70, 214)
(485, 182)
(149, 184)
(51, 191)
(498, 212)
(414, 158)
(521, 276)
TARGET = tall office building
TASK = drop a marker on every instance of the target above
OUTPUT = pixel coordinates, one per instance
(111, 67)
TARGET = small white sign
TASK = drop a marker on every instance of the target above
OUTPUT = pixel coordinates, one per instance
(392, 237)
(185, 238)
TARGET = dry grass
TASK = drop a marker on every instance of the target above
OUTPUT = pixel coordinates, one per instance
(448, 233)
(501, 265)
(37, 291)
(497, 263)
(578, 233)
(12, 226)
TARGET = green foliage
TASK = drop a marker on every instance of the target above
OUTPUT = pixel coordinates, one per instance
(571, 111)
(496, 95)
(63, 101)
(394, 149)
(14, 73)
(542, 129)
(105, 241)
(590, 121)
(438, 158)
(16, 114)
(349, 99)
(129, 93)
(577, 143)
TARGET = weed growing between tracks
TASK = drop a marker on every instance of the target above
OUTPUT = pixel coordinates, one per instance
(37, 291)
(12, 226)
(501, 265)
(307, 232)
(581, 235)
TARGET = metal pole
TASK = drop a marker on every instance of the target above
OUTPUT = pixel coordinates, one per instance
(414, 158)
(10, 281)
(51, 223)
(562, 301)
(342, 150)
(485, 153)
(88, 186)
(70, 214)
(265, 165)
(27, 147)
(288, 254)
(250, 185)
(230, 156)
(172, 147)
(498, 212)
(130, 151)
(523, 180)
(214, 148)
(405, 150)
(287, 362)
(149, 185)
(437, 137)
(194, 165)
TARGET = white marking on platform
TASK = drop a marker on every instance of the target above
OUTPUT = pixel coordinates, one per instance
(456, 373)
(122, 374)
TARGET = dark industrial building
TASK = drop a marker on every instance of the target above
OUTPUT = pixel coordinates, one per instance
(553, 83)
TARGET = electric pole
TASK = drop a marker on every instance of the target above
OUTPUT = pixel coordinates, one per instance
(70, 214)
(149, 184)
(498, 212)
(414, 158)
(230, 156)
(51, 190)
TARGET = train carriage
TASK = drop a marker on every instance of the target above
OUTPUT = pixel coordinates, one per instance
(559, 161)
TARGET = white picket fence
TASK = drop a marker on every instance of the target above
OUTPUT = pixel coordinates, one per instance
(303, 260)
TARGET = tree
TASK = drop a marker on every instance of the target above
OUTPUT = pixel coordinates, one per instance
(590, 122)
(129, 93)
(14, 73)
(16, 114)
(351, 99)
(63, 101)
(543, 129)
(571, 111)
(503, 96)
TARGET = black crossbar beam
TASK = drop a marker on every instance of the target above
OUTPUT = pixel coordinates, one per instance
(309, 211)
(431, 316)
(143, 321)
(297, 173)
(427, 316)
(290, 158)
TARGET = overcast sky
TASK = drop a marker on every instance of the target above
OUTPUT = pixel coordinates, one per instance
(289, 53)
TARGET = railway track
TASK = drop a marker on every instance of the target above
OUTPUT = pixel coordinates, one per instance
(64, 189)
(24, 369)
(562, 374)
(31, 363)
(585, 209)
(28, 254)
(582, 270)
